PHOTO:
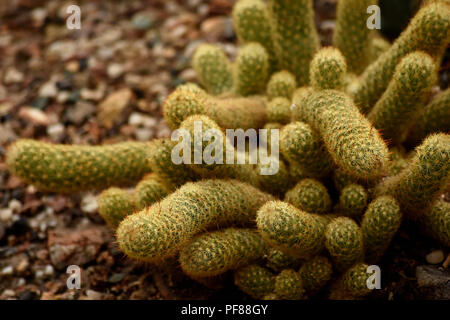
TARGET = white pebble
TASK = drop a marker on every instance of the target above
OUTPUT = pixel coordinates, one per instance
(6, 214)
(49, 270)
(56, 131)
(8, 270)
(435, 257)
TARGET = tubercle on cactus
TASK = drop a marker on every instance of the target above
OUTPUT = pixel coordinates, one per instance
(213, 69)
(214, 253)
(315, 273)
(419, 184)
(436, 221)
(353, 143)
(294, 35)
(278, 260)
(352, 284)
(289, 286)
(404, 97)
(71, 168)
(281, 84)
(279, 110)
(352, 201)
(428, 31)
(254, 280)
(229, 113)
(161, 230)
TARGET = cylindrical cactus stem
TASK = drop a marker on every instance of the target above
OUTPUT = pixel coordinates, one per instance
(229, 113)
(294, 231)
(309, 195)
(213, 69)
(294, 35)
(300, 144)
(378, 46)
(397, 162)
(278, 260)
(328, 69)
(344, 241)
(341, 179)
(114, 204)
(354, 280)
(436, 222)
(251, 69)
(349, 137)
(425, 178)
(281, 84)
(277, 183)
(161, 162)
(428, 31)
(352, 201)
(149, 190)
(254, 280)
(299, 98)
(379, 225)
(435, 117)
(160, 231)
(289, 286)
(404, 97)
(279, 110)
(217, 252)
(208, 156)
(352, 36)
(315, 273)
(251, 24)
(73, 168)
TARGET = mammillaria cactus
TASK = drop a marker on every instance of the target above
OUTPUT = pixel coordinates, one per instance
(315, 273)
(214, 253)
(69, 168)
(279, 110)
(328, 69)
(409, 88)
(352, 201)
(281, 84)
(255, 280)
(161, 230)
(309, 195)
(213, 69)
(288, 285)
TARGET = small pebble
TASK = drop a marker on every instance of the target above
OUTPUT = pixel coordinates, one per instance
(435, 257)
(56, 131)
(8, 270)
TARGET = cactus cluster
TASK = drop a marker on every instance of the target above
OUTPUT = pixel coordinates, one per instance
(362, 145)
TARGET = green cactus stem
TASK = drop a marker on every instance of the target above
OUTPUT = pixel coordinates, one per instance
(352, 201)
(436, 222)
(279, 110)
(328, 69)
(288, 285)
(309, 195)
(282, 84)
(114, 204)
(254, 280)
(315, 274)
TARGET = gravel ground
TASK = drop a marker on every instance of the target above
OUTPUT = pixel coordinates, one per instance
(105, 83)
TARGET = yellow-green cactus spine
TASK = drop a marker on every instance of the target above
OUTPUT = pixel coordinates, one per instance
(436, 222)
(294, 35)
(213, 68)
(114, 204)
(344, 242)
(254, 280)
(352, 36)
(404, 97)
(428, 31)
(217, 252)
(435, 117)
(288, 285)
(161, 162)
(149, 190)
(309, 195)
(349, 137)
(229, 113)
(279, 110)
(352, 201)
(251, 24)
(161, 230)
(315, 273)
(301, 145)
(296, 232)
(278, 260)
(251, 69)
(281, 84)
(71, 168)
(379, 225)
(328, 69)
(425, 178)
